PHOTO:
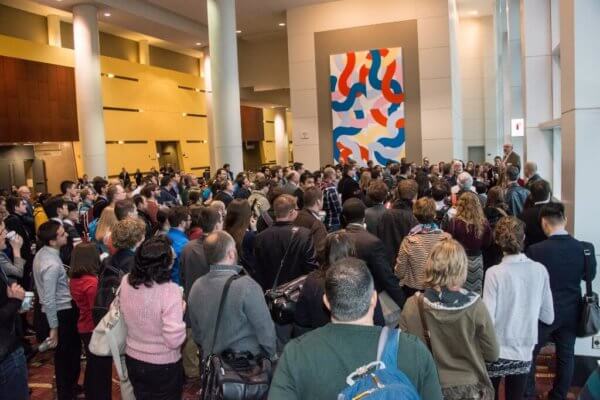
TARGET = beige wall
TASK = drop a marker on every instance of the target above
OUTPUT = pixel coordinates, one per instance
(399, 34)
(59, 166)
(263, 65)
(432, 18)
(168, 59)
(476, 50)
(23, 25)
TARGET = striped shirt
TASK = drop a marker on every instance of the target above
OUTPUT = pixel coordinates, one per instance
(413, 253)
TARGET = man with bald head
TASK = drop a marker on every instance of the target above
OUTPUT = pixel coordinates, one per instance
(510, 157)
(531, 175)
(292, 183)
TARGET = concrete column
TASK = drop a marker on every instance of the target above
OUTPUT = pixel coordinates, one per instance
(227, 140)
(536, 70)
(281, 138)
(580, 118)
(54, 38)
(206, 74)
(88, 90)
(144, 52)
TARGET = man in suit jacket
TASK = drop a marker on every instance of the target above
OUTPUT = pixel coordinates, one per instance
(397, 221)
(124, 177)
(292, 182)
(371, 250)
(563, 256)
(539, 197)
(510, 157)
(309, 218)
(277, 242)
(377, 193)
(531, 175)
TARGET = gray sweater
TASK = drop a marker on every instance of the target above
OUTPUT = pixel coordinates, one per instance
(51, 283)
(12, 269)
(246, 324)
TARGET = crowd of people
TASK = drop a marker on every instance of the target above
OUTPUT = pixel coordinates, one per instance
(473, 264)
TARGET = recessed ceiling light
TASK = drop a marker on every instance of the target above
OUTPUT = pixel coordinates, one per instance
(107, 14)
(238, 31)
(198, 44)
(474, 12)
(110, 75)
(281, 24)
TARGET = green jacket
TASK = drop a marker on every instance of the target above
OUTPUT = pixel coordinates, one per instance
(315, 365)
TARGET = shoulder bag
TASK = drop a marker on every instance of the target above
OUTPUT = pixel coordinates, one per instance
(589, 320)
(281, 300)
(109, 339)
(234, 376)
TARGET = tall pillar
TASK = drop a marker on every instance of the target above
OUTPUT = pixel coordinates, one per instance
(144, 52)
(226, 141)
(54, 38)
(281, 138)
(580, 118)
(88, 90)
(536, 58)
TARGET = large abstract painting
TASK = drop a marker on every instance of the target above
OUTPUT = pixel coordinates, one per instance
(367, 102)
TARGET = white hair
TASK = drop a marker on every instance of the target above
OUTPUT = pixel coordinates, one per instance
(464, 181)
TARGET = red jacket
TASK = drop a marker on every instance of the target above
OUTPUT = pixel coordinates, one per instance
(83, 291)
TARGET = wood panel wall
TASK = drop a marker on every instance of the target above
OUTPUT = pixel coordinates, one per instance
(252, 124)
(37, 102)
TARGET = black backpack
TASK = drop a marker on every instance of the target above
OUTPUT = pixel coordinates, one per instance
(108, 283)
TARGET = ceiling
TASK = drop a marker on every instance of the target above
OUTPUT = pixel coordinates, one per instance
(173, 24)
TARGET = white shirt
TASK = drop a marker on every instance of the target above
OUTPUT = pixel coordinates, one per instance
(517, 294)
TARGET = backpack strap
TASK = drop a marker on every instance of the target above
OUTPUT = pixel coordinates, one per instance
(389, 356)
(287, 249)
(220, 312)
(383, 336)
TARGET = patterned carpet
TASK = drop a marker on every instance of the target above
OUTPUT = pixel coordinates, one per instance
(41, 378)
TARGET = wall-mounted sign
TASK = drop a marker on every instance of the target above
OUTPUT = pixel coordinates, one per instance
(517, 127)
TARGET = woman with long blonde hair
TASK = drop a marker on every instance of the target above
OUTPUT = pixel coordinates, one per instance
(471, 229)
(106, 223)
(365, 181)
(461, 335)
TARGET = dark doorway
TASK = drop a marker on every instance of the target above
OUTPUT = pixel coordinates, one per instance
(168, 154)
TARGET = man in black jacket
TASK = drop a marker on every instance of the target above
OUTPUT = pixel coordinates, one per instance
(100, 186)
(348, 187)
(309, 218)
(275, 242)
(17, 222)
(396, 222)
(371, 250)
(563, 256)
(540, 196)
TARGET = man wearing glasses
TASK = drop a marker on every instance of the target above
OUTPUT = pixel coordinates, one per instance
(52, 287)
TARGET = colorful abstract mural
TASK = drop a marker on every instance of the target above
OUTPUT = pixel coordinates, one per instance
(367, 102)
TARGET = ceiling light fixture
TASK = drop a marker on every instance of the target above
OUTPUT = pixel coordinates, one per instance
(281, 24)
(107, 14)
(110, 75)
(198, 44)
(238, 31)
(474, 12)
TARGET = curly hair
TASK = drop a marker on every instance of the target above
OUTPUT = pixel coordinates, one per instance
(127, 233)
(509, 235)
(153, 261)
(469, 210)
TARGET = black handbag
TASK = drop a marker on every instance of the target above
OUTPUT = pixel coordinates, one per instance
(589, 320)
(281, 300)
(234, 376)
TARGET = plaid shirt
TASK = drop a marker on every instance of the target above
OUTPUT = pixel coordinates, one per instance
(331, 205)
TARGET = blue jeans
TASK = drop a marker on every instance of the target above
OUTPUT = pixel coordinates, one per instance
(13, 376)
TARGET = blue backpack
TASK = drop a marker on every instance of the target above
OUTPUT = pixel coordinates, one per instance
(381, 379)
